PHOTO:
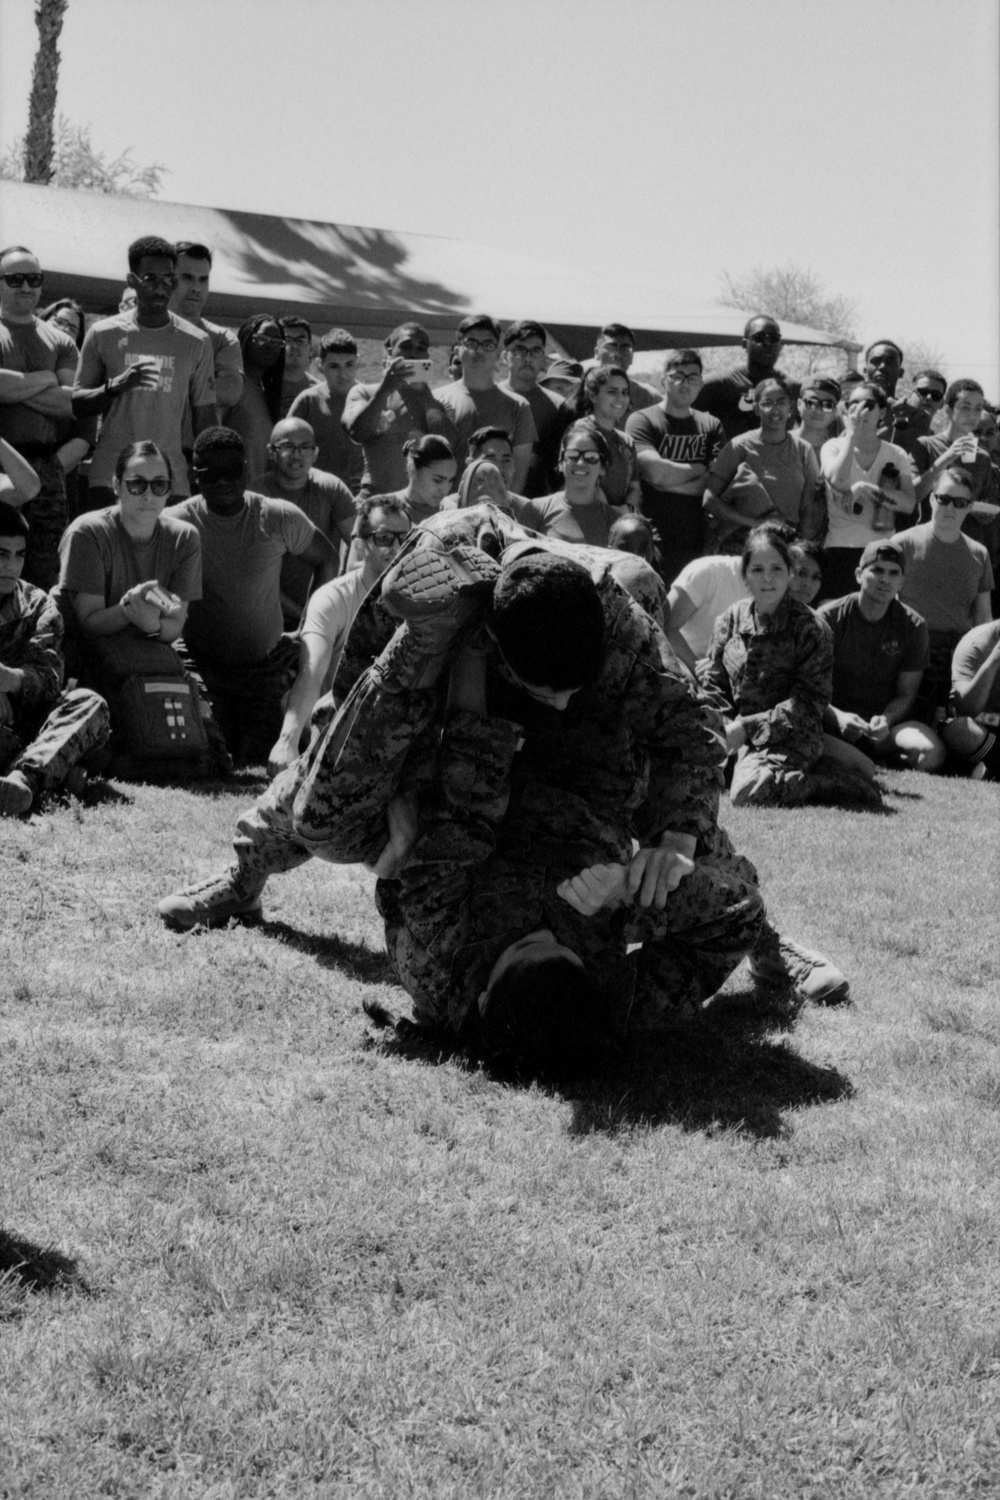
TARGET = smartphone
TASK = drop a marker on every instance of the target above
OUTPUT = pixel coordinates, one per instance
(418, 371)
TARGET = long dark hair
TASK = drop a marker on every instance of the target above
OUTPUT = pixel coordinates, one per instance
(270, 381)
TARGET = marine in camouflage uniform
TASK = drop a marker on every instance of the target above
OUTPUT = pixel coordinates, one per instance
(776, 673)
(43, 731)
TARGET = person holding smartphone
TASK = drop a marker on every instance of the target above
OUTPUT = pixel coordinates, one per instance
(383, 418)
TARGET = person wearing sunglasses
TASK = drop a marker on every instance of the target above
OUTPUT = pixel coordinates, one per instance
(38, 361)
(578, 512)
(476, 400)
(142, 371)
(325, 499)
(948, 581)
(602, 400)
(675, 446)
(818, 402)
(730, 394)
(957, 443)
(381, 526)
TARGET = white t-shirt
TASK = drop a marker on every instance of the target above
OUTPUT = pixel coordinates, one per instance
(847, 529)
(330, 614)
(712, 584)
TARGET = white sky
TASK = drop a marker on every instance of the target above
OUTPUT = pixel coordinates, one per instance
(644, 139)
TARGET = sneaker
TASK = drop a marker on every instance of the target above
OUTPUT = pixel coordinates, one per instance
(812, 976)
(436, 593)
(213, 903)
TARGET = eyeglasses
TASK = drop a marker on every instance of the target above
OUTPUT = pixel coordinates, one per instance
(287, 449)
(18, 279)
(385, 538)
(679, 378)
(589, 456)
(815, 403)
(66, 326)
(139, 486)
(151, 281)
(952, 500)
(524, 352)
(482, 346)
(774, 403)
(293, 338)
(928, 393)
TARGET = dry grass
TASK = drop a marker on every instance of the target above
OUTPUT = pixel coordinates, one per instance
(759, 1260)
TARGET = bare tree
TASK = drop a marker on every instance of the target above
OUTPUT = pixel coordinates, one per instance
(38, 143)
(791, 294)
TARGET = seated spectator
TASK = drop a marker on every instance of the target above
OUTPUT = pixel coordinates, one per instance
(562, 378)
(973, 734)
(18, 480)
(632, 534)
(729, 395)
(476, 401)
(768, 670)
(323, 405)
(603, 401)
(144, 372)
(948, 582)
(579, 511)
(194, 270)
(298, 356)
(675, 446)
(128, 574)
(326, 501)
(524, 354)
(806, 581)
(382, 525)
(818, 403)
(262, 345)
(233, 632)
(701, 592)
(956, 443)
(767, 473)
(868, 487)
(899, 422)
(880, 649)
(616, 346)
(44, 732)
(383, 418)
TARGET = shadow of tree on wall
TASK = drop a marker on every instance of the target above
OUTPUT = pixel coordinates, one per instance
(327, 263)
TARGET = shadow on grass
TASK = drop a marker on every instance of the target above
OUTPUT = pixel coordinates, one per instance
(249, 783)
(721, 1071)
(331, 952)
(27, 1267)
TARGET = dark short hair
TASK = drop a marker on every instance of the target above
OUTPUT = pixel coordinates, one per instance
(878, 392)
(150, 244)
(760, 318)
(393, 505)
(484, 435)
(427, 450)
(683, 357)
(218, 440)
(958, 474)
(143, 449)
(337, 341)
(549, 622)
(12, 523)
(479, 320)
(545, 1015)
(194, 249)
(809, 547)
(617, 331)
(956, 388)
(930, 374)
(599, 440)
(759, 538)
(293, 322)
(884, 344)
(406, 328)
(524, 328)
(48, 313)
(632, 526)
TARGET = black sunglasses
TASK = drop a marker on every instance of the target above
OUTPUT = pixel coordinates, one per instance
(138, 486)
(952, 500)
(18, 279)
(927, 393)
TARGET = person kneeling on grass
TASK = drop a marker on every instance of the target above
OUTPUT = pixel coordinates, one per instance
(500, 793)
(44, 732)
(973, 734)
(880, 649)
(769, 671)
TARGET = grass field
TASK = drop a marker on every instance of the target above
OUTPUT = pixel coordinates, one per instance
(758, 1260)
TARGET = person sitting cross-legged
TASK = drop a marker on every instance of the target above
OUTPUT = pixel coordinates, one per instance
(972, 735)
(880, 650)
(44, 731)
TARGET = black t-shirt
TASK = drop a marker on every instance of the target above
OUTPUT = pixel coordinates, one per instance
(729, 397)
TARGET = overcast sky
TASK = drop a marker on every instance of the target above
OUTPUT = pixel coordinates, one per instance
(649, 140)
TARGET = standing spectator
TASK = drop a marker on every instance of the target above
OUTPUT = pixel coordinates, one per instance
(262, 345)
(767, 473)
(430, 474)
(68, 315)
(956, 443)
(818, 402)
(730, 395)
(562, 378)
(142, 370)
(603, 401)
(929, 387)
(38, 361)
(948, 582)
(524, 352)
(675, 446)
(476, 401)
(194, 269)
(616, 346)
(234, 632)
(383, 418)
(578, 512)
(75, 437)
(298, 355)
(868, 487)
(901, 423)
(291, 475)
(322, 406)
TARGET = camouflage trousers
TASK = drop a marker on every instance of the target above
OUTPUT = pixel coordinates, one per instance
(46, 746)
(48, 517)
